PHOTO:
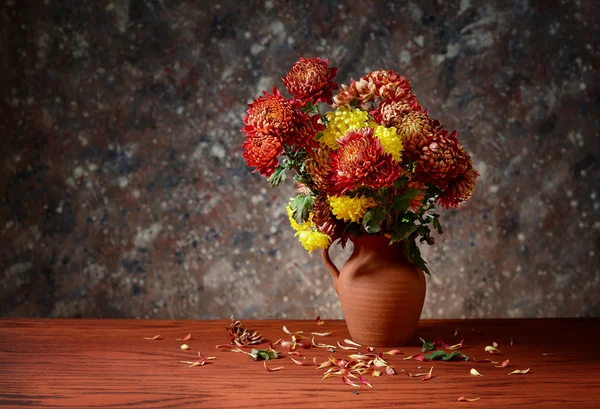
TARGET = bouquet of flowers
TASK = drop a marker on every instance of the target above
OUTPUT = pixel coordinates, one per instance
(375, 162)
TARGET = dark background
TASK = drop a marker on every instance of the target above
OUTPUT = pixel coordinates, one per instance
(123, 192)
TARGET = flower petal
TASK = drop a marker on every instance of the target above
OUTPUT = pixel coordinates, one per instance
(297, 362)
(185, 347)
(492, 350)
(390, 371)
(495, 344)
(376, 373)
(393, 352)
(322, 334)
(287, 331)
(294, 353)
(349, 382)
(463, 399)
(370, 349)
(154, 338)
(428, 376)
(319, 321)
(186, 338)
(364, 381)
(345, 347)
(519, 371)
(504, 364)
(417, 357)
(272, 369)
(359, 357)
(350, 342)
(475, 372)
(379, 362)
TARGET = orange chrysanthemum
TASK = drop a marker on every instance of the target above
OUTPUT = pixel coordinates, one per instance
(310, 80)
(390, 113)
(271, 114)
(307, 128)
(318, 166)
(459, 189)
(361, 161)
(261, 150)
(417, 130)
(377, 84)
(442, 160)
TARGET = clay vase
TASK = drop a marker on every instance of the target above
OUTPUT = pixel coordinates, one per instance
(382, 294)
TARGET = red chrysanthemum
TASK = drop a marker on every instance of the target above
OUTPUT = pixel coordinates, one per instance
(361, 161)
(417, 130)
(377, 84)
(310, 80)
(261, 150)
(390, 112)
(271, 114)
(442, 160)
(459, 189)
(307, 128)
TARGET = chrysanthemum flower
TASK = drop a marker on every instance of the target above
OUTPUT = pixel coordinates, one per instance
(261, 150)
(351, 209)
(390, 140)
(310, 80)
(459, 189)
(326, 222)
(340, 121)
(417, 130)
(313, 239)
(377, 84)
(390, 112)
(361, 161)
(318, 166)
(271, 114)
(442, 160)
(307, 128)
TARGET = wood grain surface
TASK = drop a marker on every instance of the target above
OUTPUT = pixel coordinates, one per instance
(107, 364)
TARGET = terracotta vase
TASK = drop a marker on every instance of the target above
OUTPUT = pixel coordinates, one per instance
(382, 294)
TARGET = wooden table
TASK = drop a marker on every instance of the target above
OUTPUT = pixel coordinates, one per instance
(106, 363)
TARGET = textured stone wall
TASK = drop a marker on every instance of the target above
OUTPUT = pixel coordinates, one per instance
(123, 192)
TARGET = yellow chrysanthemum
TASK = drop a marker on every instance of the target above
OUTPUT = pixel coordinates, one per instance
(390, 140)
(340, 121)
(313, 239)
(350, 208)
(307, 225)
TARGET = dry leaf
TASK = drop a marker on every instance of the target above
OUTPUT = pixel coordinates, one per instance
(475, 372)
(519, 371)
(186, 338)
(463, 399)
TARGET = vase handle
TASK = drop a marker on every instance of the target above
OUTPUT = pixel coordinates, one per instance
(334, 270)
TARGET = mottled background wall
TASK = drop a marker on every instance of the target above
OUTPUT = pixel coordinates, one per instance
(123, 193)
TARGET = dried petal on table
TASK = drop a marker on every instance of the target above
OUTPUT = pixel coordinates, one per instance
(475, 372)
(322, 334)
(492, 350)
(376, 373)
(504, 364)
(345, 347)
(185, 347)
(370, 349)
(298, 362)
(294, 353)
(154, 338)
(455, 332)
(379, 362)
(287, 331)
(359, 357)
(390, 370)
(495, 344)
(519, 371)
(393, 352)
(271, 369)
(428, 376)
(242, 336)
(364, 381)
(186, 338)
(350, 342)
(349, 382)
(463, 399)
(416, 357)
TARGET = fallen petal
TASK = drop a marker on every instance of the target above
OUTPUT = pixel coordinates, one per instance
(359, 357)
(186, 338)
(350, 342)
(379, 362)
(492, 350)
(322, 334)
(287, 331)
(297, 362)
(345, 347)
(495, 344)
(457, 346)
(519, 371)
(349, 382)
(440, 344)
(319, 321)
(475, 372)
(364, 381)
(154, 338)
(455, 332)
(417, 357)
(428, 376)
(390, 371)
(463, 399)
(376, 373)
(370, 349)
(272, 369)
(503, 364)
(185, 347)
(481, 360)
(393, 352)
(295, 353)
(512, 340)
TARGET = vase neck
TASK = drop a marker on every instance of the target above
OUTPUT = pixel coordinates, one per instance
(379, 244)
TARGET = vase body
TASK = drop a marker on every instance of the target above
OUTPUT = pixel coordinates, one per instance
(381, 292)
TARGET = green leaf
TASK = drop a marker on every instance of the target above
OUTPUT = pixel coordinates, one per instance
(414, 255)
(301, 207)
(437, 225)
(400, 203)
(427, 346)
(445, 356)
(401, 232)
(372, 220)
(278, 176)
(263, 354)
(401, 181)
